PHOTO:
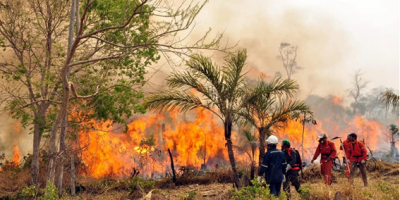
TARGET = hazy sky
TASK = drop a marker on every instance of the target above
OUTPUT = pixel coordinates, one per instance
(334, 38)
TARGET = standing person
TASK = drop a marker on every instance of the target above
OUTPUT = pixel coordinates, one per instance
(327, 150)
(346, 147)
(293, 161)
(274, 166)
(358, 158)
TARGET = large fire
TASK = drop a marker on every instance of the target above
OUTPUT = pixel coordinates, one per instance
(194, 139)
(368, 131)
(197, 138)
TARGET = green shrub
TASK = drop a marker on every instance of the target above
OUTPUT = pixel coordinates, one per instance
(305, 191)
(50, 192)
(257, 191)
(389, 191)
(29, 192)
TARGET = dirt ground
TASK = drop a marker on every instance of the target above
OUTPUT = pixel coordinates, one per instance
(219, 191)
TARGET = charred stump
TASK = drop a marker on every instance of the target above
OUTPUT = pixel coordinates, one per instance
(172, 166)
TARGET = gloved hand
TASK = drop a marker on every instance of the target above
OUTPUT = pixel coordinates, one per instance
(328, 159)
(312, 161)
(363, 161)
(288, 167)
(259, 179)
(284, 178)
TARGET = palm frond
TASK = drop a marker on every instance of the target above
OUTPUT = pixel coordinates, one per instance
(390, 99)
(233, 72)
(285, 111)
(279, 87)
(187, 80)
(249, 136)
(202, 68)
(173, 99)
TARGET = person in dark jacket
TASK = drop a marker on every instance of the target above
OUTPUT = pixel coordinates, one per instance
(292, 169)
(274, 166)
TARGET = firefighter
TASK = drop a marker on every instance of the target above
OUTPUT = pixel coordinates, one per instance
(346, 147)
(327, 150)
(293, 166)
(358, 158)
(274, 166)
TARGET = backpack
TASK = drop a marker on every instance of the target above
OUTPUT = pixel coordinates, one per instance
(298, 159)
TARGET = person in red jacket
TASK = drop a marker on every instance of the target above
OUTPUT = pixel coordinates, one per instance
(346, 147)
(327, 150)
(358, 158)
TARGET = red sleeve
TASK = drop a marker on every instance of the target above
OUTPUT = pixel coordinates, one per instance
(333, 148)
(364, 150)
(317, 152)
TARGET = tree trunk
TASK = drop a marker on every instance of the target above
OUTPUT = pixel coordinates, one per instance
(72, 174)
(262, 135)
(252, 170)
(60, 157)
(228, 133)
(60, 163)
(172, 167)
(37, 136)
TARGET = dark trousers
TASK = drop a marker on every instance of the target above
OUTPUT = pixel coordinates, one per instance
(363, 171)
(292, 176)
(275, 188)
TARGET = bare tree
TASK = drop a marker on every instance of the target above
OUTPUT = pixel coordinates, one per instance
(357, 89)
(288, 56)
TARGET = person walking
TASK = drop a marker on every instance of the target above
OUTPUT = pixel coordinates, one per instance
(358, 158)
(293, 161)
(327, 150)
(273, 166)
(345, 146)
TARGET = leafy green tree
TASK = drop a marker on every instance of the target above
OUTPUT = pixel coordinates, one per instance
(30, 37)
(101, 72)
(218, 89)
(268, 107)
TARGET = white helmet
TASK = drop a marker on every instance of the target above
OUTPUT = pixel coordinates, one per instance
(272, 140)
(322, 135)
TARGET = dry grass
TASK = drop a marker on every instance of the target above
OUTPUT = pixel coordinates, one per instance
(11, 182)
(383, 184)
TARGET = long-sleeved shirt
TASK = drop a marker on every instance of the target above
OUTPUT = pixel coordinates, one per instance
(326, 149)
(358, 152)
(274, 166)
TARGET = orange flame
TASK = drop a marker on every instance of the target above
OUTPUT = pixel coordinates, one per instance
(197, 138)
(16, 157)
(369, 131)
(338, 100)
(192, 141)
(252, 70)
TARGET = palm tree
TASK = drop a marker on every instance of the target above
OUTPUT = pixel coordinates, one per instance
(218, 89)
(390, 99)
(251, 140)
(394, 134)
(269, 106)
